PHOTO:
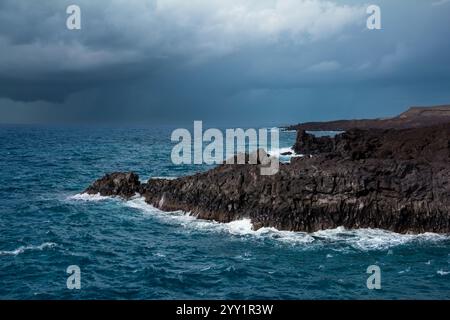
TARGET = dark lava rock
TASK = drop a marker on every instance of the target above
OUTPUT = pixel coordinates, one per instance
(428, 144)
(396, 180)
(314, 193)
(259, 156)
(309, 144)
(124, 185)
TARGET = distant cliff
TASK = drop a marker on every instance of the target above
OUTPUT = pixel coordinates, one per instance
(415, 117)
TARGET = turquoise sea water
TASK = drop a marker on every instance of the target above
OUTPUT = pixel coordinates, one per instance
(129, 250)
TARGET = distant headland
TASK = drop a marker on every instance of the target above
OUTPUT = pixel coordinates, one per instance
(414, 117)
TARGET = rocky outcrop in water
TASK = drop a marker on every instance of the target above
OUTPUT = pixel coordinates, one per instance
(119, 184)
(397, 180)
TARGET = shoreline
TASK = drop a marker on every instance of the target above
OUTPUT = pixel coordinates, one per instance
(395, 180)
(365, 239)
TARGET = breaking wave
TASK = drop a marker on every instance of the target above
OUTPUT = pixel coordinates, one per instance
(165, 178)
(88, 197)
(280, 151)
(23, 249)
(361, 239)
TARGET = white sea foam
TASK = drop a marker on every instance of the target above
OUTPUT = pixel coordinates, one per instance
(88, 197)
(279, 152)
(443, 273)
(374, 239)
(238, 228)
(362, 239)
(22, 249)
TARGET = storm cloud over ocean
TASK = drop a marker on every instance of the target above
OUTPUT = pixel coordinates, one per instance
(174, 61)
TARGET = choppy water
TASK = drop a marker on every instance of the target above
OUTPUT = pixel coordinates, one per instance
(129, 250)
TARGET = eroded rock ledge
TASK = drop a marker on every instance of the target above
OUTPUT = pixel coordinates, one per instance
(397, 180)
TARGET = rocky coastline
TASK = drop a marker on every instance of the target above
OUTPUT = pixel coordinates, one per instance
(397, 180)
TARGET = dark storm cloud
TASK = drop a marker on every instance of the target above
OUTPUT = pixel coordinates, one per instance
(238, 61)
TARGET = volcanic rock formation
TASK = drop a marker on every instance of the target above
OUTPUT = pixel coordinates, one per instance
(397, 180)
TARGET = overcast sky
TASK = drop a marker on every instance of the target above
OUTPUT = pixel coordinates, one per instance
(246, 62)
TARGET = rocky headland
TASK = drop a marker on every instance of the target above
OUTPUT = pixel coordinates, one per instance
(414, 117)
(396, 179)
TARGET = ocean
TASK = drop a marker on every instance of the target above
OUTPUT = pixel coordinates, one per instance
(130, 250)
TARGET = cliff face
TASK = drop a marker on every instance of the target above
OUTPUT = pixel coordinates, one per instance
(430, 144)
(309, 144)
(316, 194)
(394, 180)
(415, 117)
